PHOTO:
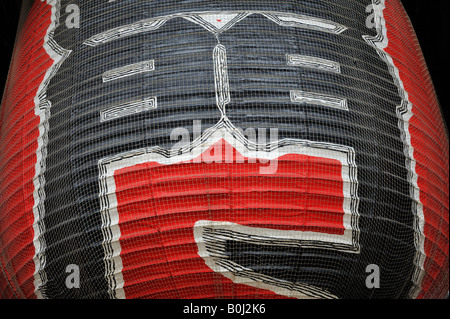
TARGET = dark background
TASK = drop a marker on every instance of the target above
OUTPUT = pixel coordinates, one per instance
(429, 18)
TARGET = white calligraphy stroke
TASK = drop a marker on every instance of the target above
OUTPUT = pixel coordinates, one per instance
(42, 110)
(128, 70)
(313, 63)
(217, 22)
(210, 21)
(404, 114)
(214, 231)
(129, 108)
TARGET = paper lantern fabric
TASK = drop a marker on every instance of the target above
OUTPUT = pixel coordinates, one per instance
(221, 149)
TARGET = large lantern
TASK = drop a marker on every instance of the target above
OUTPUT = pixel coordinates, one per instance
(221, 149)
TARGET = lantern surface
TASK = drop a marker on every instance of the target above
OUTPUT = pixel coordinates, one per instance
(222, 149)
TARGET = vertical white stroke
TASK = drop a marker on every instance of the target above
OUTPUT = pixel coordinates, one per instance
(221, 81)
(42, 110)
(404, 114)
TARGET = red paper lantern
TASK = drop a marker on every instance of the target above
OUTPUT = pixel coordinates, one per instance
(211, 149)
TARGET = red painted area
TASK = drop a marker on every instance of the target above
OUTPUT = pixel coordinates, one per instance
(430, 143)
(159, 204)
(18, 144)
